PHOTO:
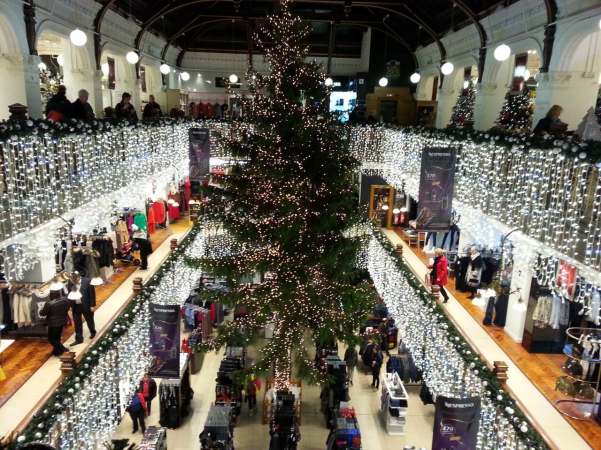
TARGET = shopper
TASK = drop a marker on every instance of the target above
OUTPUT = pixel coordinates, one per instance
(148, 387)
(124, 110)
(351, 358)
(551, 123)
(143, 244)
(376, 365)
(82, 298)
(251, 393)
(440, 272)
(80, 108)
(58, 107)
(152, 110)
(137, 411)
(55, 312)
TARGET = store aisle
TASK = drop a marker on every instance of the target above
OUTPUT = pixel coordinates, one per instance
(251, 434)
(47, 377)
(541, 412)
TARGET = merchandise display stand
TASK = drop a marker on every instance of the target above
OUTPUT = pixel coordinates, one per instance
(394, 404)
(155, 438)
(270, 396)
(175, 395)
(582, 379)
(218, 432)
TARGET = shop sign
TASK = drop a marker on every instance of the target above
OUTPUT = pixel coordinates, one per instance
(456, 423)
(164, 340)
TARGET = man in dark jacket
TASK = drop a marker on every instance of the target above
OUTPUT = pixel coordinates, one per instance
(58, 107)
(124, 110)
(376, 365)
(82, 296)
(148, 388)
(80, 108)
(152, 110)
(55, 312)
(351, 358)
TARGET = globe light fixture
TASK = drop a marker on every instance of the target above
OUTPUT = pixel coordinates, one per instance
(165, 69)
(415, 77)
(447, 68)
(185, 76)
(233, 78)
(132, 57)
(329, 81)
(60, 59)
(383, 82)
(104, 67)
(502, 52)
(42, 66)
(78, 37)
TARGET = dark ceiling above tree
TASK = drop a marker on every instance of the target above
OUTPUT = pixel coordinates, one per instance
(223, 25)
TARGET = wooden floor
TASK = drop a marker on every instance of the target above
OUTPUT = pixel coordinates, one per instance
(541, 368)
(25, 356)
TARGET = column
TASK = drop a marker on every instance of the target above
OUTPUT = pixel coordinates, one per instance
(96, 99)
(489, 100)
(521, 280)
(576, 92)
(31, 74)
(447, 96)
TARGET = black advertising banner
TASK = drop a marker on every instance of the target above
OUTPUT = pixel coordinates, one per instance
(164, 340)
(200, 155)
(456, 423)
(436, 186)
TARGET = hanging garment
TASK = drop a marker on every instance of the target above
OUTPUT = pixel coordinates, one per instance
(542, 311)
(122, 233)
(151, 221)
(490, 267)
(450, 241)
(474, 271)
(460, 273)
(92, 269)
(187, 193)
(158, 209)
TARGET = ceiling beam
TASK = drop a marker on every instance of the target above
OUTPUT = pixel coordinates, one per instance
(481, 33)
(550, 28)
(97, 27)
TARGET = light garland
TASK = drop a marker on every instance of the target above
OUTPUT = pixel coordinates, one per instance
(446, 360)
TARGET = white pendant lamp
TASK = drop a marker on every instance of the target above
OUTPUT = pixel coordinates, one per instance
(502, 52)
(329, 81)
(165, 69)
(185, 76)
(132, 57)
(233, 78)
(447, 68)
(383, 82)
(415, 77)
(78, 37)
(42, 65)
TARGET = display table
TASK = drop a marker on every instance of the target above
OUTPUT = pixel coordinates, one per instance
(394, 404)
(295, 388)
(155, 438)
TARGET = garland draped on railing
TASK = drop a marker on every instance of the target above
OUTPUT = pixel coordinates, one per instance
(450, 366)
(549, 188)
(88, 405)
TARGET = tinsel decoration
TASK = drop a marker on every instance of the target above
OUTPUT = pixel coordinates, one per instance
(287, 204)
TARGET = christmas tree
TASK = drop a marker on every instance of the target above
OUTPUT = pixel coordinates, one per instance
(287, 205)
(516, 113)
(463, 111)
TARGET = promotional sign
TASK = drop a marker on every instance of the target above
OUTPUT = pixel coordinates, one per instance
(164, 340)
(436, 186)
(199, 154)
(456, 423)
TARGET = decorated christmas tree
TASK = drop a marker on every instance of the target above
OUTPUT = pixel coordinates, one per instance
(287, 206)
(516, 112)
(463, 111)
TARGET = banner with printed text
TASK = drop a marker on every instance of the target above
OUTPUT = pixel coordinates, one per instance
(164, 340)
(200, 155)
(456, 423)
(436, 185)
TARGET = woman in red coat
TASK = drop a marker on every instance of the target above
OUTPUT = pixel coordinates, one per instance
(440, 271)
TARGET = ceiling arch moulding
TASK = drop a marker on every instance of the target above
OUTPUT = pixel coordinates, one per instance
(97, 29)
